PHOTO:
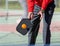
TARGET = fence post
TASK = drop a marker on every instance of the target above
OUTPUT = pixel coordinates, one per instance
(6, 9)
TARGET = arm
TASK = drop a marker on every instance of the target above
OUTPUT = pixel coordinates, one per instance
(43, 7)
(30, 4)
(45, 4)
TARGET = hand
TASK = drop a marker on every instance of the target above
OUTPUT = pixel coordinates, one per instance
(41, 13)
(30, 15)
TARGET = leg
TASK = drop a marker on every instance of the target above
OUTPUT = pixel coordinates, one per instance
(33, 31)
(46, 24)
(33, 34)
(46, 31)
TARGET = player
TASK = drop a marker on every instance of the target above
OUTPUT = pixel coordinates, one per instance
(45, 8)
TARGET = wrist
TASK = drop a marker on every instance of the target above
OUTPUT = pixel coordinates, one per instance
(42, 10)
(30, 12)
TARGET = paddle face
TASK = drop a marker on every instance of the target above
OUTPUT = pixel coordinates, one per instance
(23, 26)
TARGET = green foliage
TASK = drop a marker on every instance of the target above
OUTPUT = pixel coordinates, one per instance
(11, 5)
(16, 5)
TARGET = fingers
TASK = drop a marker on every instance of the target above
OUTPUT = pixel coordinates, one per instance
(30, 15)
(41, 14)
